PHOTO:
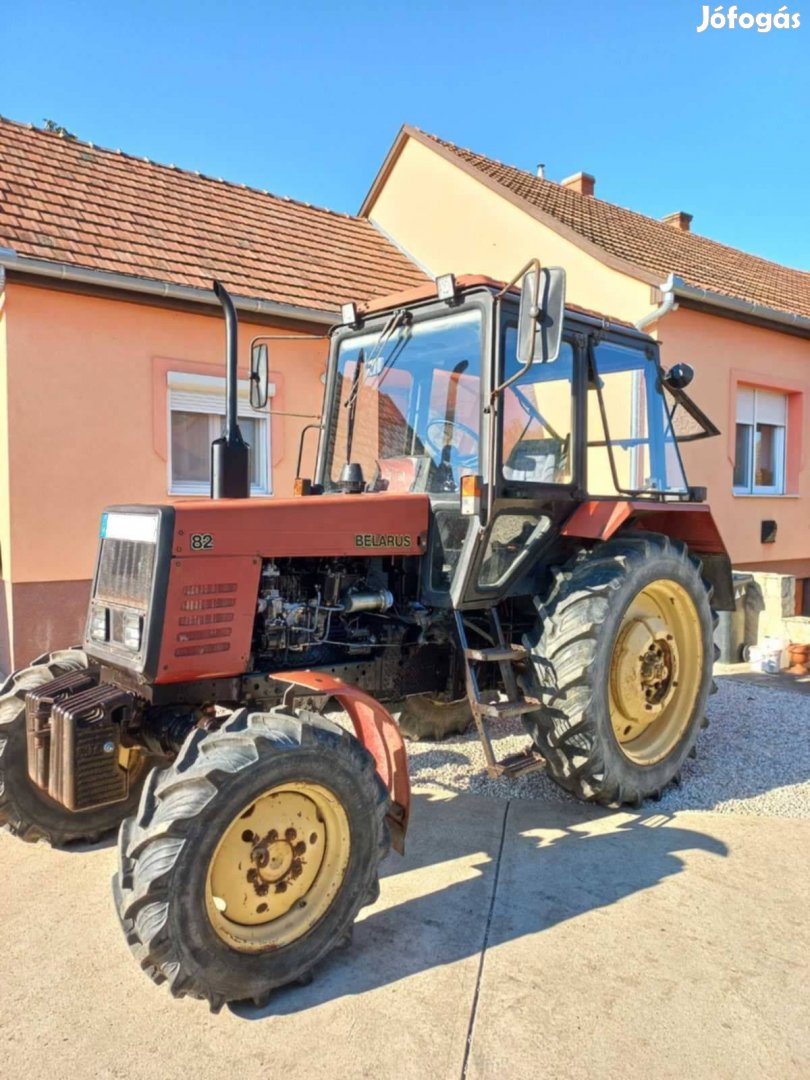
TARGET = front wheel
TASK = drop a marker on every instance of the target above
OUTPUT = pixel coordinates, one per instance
(622, 660)
(249, 858)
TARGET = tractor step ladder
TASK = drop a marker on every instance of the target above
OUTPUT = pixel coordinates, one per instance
(516, 703)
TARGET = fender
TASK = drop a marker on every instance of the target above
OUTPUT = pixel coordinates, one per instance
(692, 523)
(377, 730)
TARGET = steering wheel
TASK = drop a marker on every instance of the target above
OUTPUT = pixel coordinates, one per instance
(452, 431)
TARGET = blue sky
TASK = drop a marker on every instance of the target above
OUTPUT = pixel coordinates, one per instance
(304, 99)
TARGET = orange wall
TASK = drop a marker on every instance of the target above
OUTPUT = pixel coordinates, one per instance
(723, 352)
(5, 514)
(83, 428)
(6, 592)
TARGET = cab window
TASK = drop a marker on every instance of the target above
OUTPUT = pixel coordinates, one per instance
(537, 417)
(629, 428)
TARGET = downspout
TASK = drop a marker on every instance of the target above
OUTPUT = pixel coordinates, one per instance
(668, 304)
(676, 289)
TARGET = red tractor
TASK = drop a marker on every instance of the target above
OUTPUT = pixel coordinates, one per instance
(498, 525)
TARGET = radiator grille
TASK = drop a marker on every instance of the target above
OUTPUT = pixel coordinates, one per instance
(125, 572)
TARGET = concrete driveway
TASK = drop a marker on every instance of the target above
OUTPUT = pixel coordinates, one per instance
(516, 939)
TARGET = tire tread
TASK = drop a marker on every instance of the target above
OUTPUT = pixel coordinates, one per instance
(151, 843)
(563, 649)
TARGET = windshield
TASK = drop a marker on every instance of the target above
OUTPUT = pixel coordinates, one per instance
(409, 412)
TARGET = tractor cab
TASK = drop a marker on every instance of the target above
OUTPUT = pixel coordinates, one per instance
(507, 409)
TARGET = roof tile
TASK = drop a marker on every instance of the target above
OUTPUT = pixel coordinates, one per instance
(650, 244)
(72, 202)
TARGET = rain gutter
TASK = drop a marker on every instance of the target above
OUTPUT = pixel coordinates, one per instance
(675, 289)
(80, 275)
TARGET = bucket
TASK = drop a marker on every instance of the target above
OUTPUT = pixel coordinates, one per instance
(767, 656)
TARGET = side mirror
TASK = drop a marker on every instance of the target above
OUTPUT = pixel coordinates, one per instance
(540, 322)
(258, 376)
(679, 376)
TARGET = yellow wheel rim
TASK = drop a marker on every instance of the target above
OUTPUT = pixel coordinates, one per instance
(278, 867)
(655, 672)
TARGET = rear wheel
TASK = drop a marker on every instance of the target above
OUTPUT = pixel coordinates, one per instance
(25, 809)
(622, 659)
(249, 858)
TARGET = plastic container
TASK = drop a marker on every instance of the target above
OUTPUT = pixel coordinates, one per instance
(767, 656)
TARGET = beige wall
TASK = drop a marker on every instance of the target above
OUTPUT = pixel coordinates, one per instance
(86, 379)
(451, 222)
(723, 353)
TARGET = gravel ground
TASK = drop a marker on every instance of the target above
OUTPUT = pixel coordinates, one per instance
(754, 758)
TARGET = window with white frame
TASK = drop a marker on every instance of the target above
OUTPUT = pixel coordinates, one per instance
(761, 440)
(196, 416)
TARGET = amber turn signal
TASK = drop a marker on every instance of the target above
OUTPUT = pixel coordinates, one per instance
(471, 495)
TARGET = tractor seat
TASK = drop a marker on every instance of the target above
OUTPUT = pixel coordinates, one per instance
(403, 474)
(537, 461)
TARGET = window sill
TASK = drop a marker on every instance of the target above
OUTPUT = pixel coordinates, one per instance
(206, 494)
(765, 495)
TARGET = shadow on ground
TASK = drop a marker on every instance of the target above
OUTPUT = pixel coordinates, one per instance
(437, 903)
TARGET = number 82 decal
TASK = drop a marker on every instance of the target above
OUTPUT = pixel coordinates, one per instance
(201, 541)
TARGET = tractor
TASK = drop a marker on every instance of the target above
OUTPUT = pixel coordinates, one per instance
(497, 527)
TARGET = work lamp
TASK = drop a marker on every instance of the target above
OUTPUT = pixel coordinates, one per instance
(446, 287)
(348, 314)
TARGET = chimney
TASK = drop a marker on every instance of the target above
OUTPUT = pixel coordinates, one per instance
(541, 171)
(680, 220)
(583, 183)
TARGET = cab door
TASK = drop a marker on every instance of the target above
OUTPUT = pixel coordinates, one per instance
(533, 469)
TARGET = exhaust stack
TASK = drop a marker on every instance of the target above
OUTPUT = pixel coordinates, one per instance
(230, 466)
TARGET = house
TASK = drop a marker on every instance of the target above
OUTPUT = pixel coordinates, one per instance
(742, 322)
(112, 348)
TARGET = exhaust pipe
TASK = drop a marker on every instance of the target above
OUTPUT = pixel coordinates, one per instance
(230, 465)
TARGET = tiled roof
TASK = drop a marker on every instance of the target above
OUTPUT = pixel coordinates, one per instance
(649, 244)
(72, 202)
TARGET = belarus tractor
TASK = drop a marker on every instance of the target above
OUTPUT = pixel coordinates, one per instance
(498, 526)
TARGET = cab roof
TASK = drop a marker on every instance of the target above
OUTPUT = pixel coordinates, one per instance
(468, 282)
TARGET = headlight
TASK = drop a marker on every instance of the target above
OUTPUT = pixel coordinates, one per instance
(131, 630)
(99, 623)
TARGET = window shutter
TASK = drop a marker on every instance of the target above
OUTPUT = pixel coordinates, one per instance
(745, 405)
(190, 392)
(771, 408)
